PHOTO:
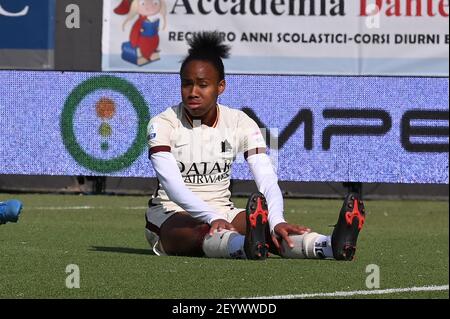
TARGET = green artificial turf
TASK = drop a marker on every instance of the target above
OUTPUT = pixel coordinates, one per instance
(104, 237)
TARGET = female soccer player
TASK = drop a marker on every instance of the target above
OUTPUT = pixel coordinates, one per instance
(192, 146)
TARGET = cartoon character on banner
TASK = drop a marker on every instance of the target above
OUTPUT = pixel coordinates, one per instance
(144, 36)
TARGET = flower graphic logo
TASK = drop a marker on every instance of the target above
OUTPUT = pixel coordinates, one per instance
(103, 124)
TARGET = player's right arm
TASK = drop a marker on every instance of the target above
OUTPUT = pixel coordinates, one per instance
(164, 163)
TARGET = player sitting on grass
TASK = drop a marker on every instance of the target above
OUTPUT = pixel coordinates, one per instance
(10, 211)
(192, 146)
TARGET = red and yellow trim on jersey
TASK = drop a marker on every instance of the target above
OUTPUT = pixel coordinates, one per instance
(160, 148)
(217, 116)
(187, 117)
(259, 150)
(191, 123)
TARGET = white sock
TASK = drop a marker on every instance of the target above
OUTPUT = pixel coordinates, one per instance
(236, 247)
(308, 245)
(303, 246)
(322, 247)
(224, 244)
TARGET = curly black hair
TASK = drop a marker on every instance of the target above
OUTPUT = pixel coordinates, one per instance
(207, 46)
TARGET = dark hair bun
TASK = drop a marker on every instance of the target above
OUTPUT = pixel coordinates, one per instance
(208, 43)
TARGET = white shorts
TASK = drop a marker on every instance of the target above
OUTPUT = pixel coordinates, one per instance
(157, 215)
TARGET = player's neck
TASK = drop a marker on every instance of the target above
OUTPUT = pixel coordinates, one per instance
(209, 119)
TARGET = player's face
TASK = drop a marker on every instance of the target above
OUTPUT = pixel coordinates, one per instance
(200, 87)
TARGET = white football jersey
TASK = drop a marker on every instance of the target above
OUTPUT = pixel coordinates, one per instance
(204, 154)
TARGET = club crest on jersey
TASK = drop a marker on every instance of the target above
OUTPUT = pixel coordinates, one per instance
(226, 147)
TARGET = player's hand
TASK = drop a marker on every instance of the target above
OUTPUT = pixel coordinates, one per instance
(282, 232)
(219, 225)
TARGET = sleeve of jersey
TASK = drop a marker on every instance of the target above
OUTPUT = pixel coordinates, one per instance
(159, 132)
(169, 176)
(267, 183)
(249, 133)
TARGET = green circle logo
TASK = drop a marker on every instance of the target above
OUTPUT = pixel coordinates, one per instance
(105, 110)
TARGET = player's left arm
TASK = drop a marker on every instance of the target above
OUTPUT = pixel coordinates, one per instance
(252, 144)
(267, 182)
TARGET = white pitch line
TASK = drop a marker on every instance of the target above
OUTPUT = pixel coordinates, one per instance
(355, 293)
(83, 208)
